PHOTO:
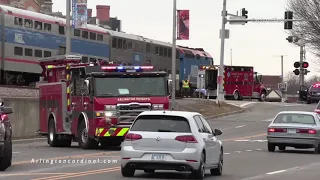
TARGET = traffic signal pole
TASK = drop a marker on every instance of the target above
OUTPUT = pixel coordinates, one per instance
(68, 27)
(220, 92)
(301, 75)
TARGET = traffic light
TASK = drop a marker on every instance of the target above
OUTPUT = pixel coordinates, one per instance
(244, 12)
(305, 64)
(288, 15)
(297, 66)
(292, 39)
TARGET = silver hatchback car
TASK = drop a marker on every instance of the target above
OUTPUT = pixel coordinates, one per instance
(171, 140)
(296, 129)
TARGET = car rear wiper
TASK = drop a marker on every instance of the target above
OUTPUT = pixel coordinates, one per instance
(165, 130)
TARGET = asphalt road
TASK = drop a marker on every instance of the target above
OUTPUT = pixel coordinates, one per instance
(246, 156)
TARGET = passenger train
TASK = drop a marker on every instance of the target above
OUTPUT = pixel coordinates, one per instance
(27, 36)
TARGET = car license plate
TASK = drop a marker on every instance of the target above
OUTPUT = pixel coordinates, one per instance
(291, 130)
(158, 157)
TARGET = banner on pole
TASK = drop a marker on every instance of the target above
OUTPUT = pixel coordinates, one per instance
(79, 13)
(182, 24)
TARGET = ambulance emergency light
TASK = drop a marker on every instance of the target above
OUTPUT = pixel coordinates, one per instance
(126, 68)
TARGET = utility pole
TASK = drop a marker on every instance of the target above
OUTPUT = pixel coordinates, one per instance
(68, 28)
(301, 75)
(282, 80)
(220, 92)
(173, 69)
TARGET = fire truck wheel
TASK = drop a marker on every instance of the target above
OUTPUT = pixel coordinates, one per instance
(262, 97)
(236, 96)
(85, 142)
(6, 160)
(53, 139)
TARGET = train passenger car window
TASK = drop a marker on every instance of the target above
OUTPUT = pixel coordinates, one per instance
(85, 34)
(157, 50)
(47, 54)
(100, 37)
(38, 53)
(125, 45)
(130, 45)
(28, 52)
(17, 21)
(161, 51)
(61, 29)
(28, 23)
(169, 52)
(38, 25)
(47, 27)
(119, 43)
(62, 50)
(148, 47)
(85, 59)
(165, 52)
(76, 33)
(114, 42)
(93, 36)
(18, 51)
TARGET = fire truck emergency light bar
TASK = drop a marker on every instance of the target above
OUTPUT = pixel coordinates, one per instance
(207, 67)
(126, 68)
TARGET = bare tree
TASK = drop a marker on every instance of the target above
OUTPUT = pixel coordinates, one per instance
(307, 9)
(292, 83)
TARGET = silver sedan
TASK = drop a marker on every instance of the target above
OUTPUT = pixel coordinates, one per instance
(172, 140)
(296, 129)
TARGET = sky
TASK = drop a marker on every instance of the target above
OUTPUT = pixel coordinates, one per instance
(254, 44)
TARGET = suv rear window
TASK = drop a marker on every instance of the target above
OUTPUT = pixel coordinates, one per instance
(161, 123)
(315, 88)
(295, 119)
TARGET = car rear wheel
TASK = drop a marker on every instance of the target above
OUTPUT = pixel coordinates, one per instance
(317, 149)
(6, 160)
(271, 147)
(127, 171)
(200, 172)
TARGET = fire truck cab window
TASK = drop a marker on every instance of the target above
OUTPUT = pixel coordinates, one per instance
(130, 86)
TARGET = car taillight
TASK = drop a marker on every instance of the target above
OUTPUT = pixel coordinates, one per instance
(132, 137)
(187, 139)
(277, 130)
(307, 131)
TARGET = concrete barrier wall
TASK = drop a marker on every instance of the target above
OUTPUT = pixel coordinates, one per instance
(25, 117)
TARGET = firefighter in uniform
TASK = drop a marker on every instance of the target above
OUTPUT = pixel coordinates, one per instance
(185, 87)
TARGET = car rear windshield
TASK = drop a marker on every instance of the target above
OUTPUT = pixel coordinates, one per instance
(161, 123)
(315, 89)
(295, 118)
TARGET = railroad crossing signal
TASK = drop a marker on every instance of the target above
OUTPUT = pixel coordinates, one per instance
(288, 15)
(304, 67)
(292, 39)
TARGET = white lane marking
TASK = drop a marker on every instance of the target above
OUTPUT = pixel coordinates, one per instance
(31, 139)
(267, 120)
(248, 150)
(241, 126)
(259, 149)
(238, 151)
(226, 153)
(276, 172)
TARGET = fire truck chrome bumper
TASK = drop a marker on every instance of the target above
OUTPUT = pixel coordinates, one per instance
(105, 132)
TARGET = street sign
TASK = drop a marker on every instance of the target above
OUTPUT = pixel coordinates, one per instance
(282, 86)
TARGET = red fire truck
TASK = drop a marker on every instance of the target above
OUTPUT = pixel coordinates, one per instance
(93, 104)
(240, 82)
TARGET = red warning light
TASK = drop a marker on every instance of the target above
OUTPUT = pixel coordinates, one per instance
(305, 64)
